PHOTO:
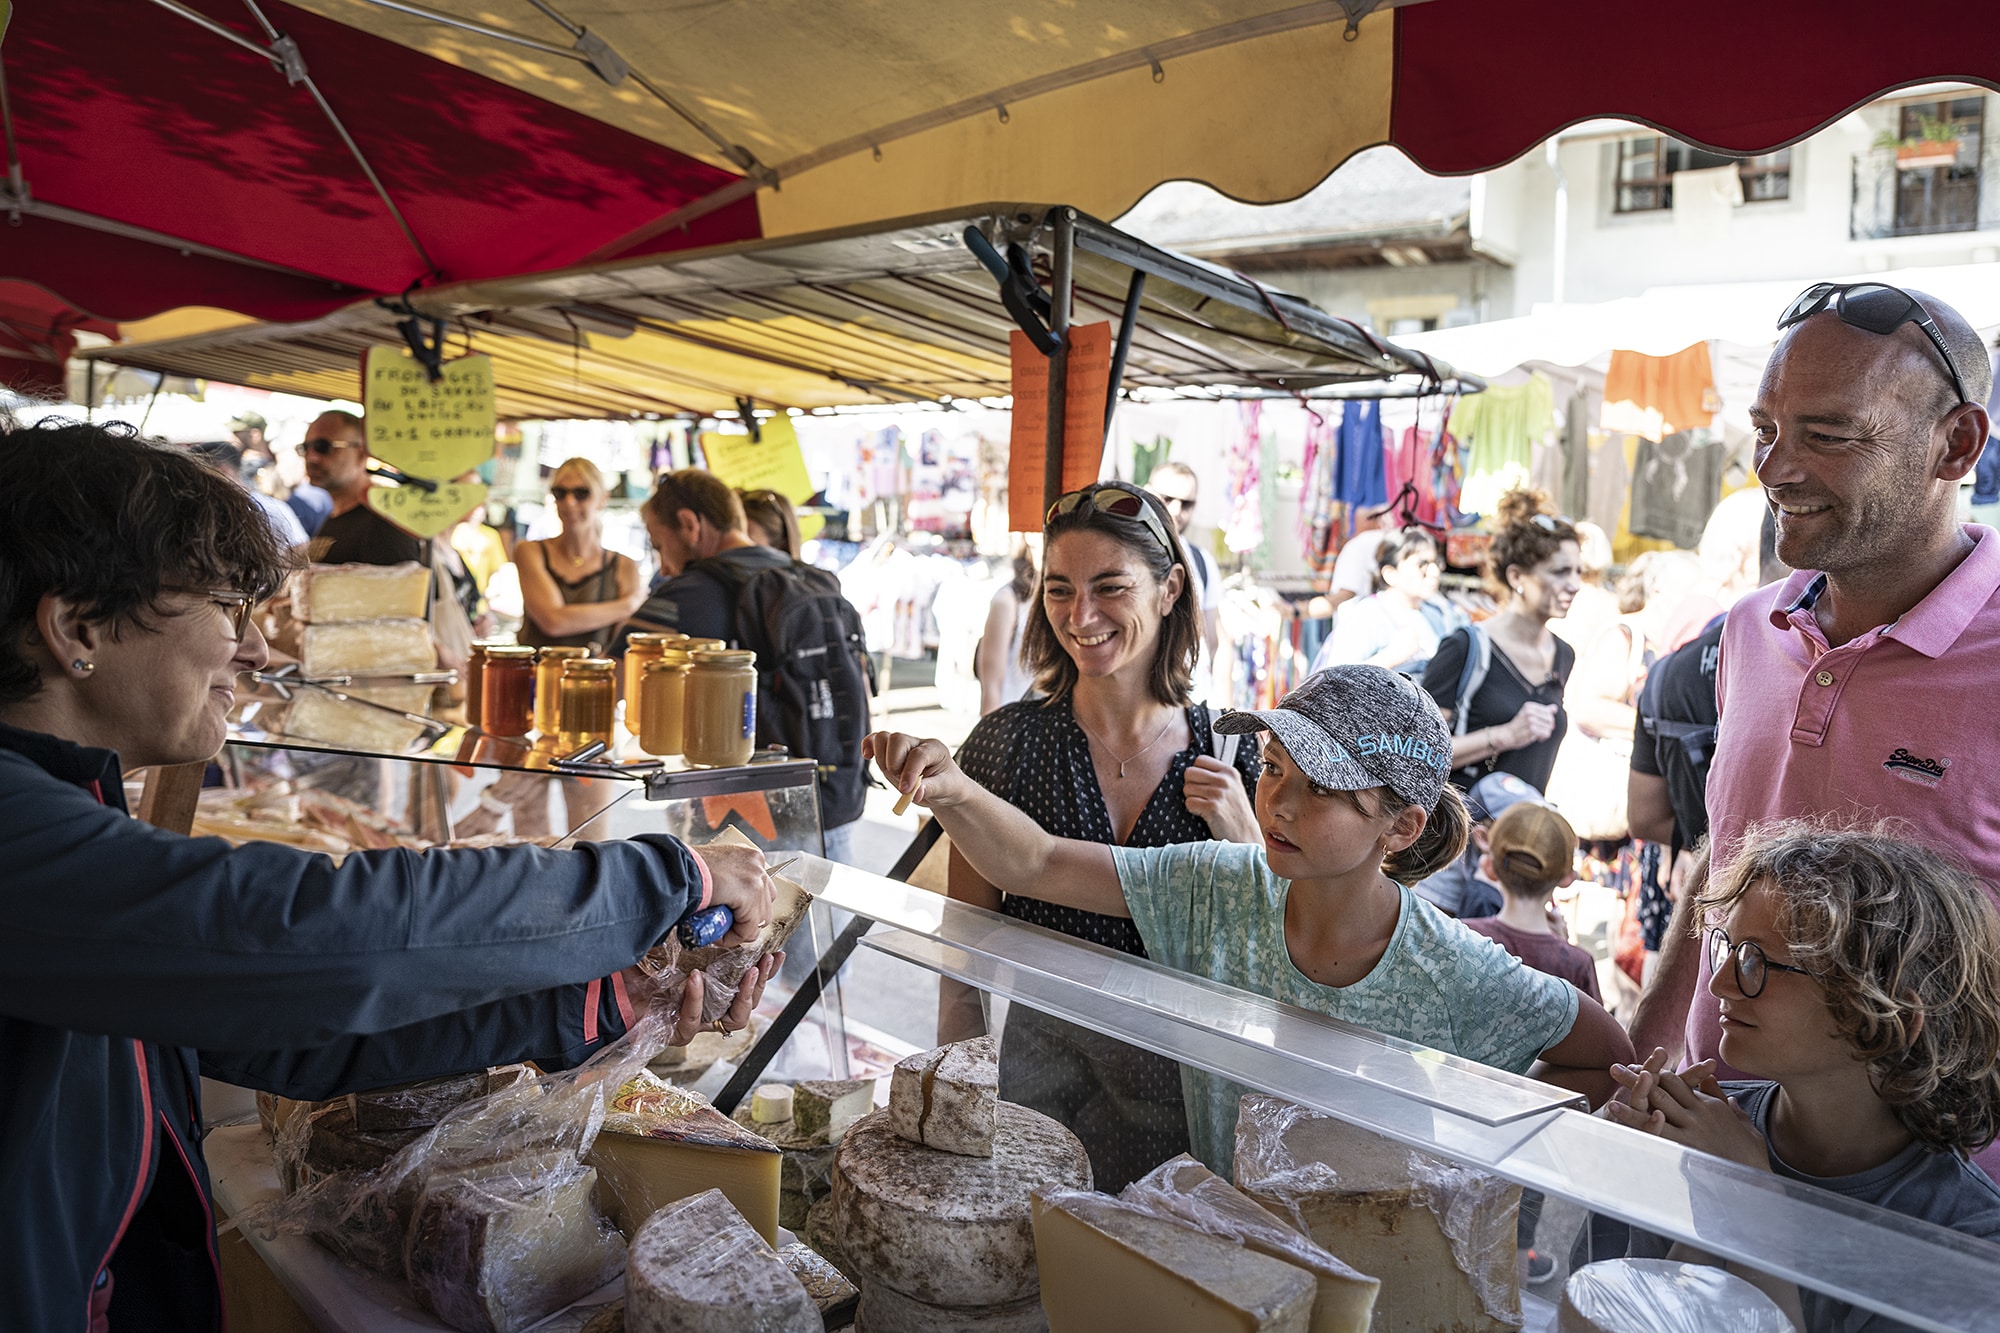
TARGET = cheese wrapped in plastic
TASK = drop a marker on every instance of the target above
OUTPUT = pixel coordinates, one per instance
(723, 967)
(317, 716)
(1438, 1236)
(1661, 1296)
(367, 645)
(336, 594)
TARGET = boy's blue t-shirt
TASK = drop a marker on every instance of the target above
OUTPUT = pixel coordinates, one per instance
(1216, 910)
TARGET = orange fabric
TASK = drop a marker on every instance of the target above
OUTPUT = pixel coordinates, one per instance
(1656, 396)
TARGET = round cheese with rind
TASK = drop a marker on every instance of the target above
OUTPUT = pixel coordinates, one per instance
(1662, 1296)
(943, 1228)
(886, 1310)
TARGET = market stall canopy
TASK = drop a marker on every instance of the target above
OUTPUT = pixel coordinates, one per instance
(280, 160)
(901, 314)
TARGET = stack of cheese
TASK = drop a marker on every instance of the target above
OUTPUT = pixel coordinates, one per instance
(362, 620)
(806, 1123)
(931, 1198)
(1660, 1296)
(1439, 1236)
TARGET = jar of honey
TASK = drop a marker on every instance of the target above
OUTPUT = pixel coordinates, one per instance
(721, 727)
(548, 686)
(507, 691)
(662, 704)
(475, 669)
(641, 651)
(589, 699)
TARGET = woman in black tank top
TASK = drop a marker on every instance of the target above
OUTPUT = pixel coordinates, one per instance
(575, 593)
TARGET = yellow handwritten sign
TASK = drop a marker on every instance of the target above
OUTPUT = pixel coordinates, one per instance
(429, 430)
(424, 513)
(774, 463)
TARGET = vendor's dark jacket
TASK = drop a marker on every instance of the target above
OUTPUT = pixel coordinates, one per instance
(133, 960)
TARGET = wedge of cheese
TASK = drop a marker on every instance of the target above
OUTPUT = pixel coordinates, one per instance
(1661, 1296)
(661, 1144)
(367, 645)
(697, 1267)
(829, 1106)
(1380, 1206)
(944, 1098)
(828, 1286)
(1106, 1264)
(335, 594)
(1189, 1192)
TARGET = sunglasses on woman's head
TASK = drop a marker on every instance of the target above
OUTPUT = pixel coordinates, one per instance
(1873, 307)
(1114, 500)
(323, 447)
(570, 492)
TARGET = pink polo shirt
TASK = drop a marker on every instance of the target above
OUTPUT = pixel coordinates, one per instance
(1903, 722)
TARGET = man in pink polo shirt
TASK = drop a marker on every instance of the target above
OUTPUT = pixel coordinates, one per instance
(1864, 686)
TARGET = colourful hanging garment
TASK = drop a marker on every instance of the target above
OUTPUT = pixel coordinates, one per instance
(1503, 424)
(1657, 396)
(1244, 528)
(1360, 442)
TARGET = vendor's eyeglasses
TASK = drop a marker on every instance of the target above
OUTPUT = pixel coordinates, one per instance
(1112, 499)
(570, 492)
(1873, 307)
(323, 447)
(238, 604)
(1753, 967)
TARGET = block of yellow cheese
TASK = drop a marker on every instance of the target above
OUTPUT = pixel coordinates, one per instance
(367, 645)
(661, 1143)
(1106, 1264)
(317, 716)
(335, 594)
(1382, 1208)
(1189, 1192)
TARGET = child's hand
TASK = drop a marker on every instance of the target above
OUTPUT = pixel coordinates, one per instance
(921, 770)
(1698, 1116)
(1632, 1105)
(1214, 791)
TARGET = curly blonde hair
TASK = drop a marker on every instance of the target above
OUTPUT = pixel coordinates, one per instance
(1906, 948)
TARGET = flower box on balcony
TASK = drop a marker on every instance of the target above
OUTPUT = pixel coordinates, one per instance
(1922, 153)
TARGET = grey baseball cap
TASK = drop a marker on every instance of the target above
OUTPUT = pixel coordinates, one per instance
(1353, 727)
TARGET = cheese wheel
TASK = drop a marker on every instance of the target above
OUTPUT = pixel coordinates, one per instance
(697, 1267)
(771, 1103)
(946, 1229)
(1661, 1296)
(886, 1310)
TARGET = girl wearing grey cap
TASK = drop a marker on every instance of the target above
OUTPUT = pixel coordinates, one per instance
(1354, 805)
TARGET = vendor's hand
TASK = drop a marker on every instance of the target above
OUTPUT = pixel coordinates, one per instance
(740, 881)
(1214, 792)
(645, 991)
(1535, 722)
(920, 769)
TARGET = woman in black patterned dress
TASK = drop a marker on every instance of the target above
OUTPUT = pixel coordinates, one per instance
(1114, 752)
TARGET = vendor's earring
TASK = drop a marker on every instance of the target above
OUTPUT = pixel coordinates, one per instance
(83, 668)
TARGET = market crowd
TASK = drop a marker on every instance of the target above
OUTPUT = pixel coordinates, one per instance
(1797, 716)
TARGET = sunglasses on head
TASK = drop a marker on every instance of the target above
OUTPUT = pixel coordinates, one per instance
(1873, 307)
(570, 492)
(1550, 522)
(1117, 501)
(323, 447)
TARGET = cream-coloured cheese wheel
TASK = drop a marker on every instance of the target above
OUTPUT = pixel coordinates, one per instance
(1661, 1296)
(943, 1228)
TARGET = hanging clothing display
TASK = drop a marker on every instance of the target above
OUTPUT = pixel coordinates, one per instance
(1676, 485)
(1411, 463)
(1319, 509)
(1147, 456)
(1243, 530)
(1503, 425)
(1361, 465)
(1657, 396)
(1609, 477)
(1574, 497)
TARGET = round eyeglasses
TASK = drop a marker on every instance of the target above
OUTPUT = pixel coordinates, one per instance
(1753, 965)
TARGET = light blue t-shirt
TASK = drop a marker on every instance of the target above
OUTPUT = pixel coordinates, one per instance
(1216, 910)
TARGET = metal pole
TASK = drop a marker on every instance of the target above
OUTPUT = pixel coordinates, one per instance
(1064, 256)
(1126, 324)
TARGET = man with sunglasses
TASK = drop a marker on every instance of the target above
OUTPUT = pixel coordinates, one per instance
(1862, 685)
(336, 453)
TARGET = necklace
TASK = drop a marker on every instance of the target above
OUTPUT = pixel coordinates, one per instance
(575, 561)
(1088, 733)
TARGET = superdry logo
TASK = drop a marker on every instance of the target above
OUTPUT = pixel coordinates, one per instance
(1907, 766)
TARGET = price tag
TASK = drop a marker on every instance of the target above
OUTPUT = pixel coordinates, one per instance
(439, 430)
(423, 513)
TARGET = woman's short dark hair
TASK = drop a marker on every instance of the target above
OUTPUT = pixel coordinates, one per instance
(1180, 631)
(95, 514)
(1398, 547)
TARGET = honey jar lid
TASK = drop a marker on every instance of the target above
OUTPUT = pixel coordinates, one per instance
(554, 653)
(510, 652)
(670, 660)
(648, 640)
(588, 666)
(724, 657)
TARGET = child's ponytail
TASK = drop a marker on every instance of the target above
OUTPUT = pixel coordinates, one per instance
(1442, 841)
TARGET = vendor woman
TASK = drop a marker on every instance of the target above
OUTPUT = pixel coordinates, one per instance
(133, 959)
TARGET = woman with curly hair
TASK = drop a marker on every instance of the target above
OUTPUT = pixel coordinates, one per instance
(1860, 984)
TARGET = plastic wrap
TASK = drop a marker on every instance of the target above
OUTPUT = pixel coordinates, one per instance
(723, 967)
(367, 645)
(1301, 1161)
(828, 1286)
(807, 1174)
(1187, 1191)
(661, 1143)
(697, 1267)
(316, 716)
(1660, 1296)
(489, 1213)
(332, 594)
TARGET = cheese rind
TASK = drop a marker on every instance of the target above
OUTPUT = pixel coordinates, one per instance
(943, 1228)
(661, 1143)
(944, 1098)
(367, 645)
(496, 1248)
(1662, 1296)
(697, 1267)
(829, 1106)
(1189, 1192)
(335, 594)
(886, 1310)
(1107, 1264)
(829, 1288)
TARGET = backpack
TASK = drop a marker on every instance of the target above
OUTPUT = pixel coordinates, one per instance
(814, 675)
(1478, 661)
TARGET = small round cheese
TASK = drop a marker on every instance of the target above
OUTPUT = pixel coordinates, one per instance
(946, 1229)
(1661, 1296)
(771, 1103)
